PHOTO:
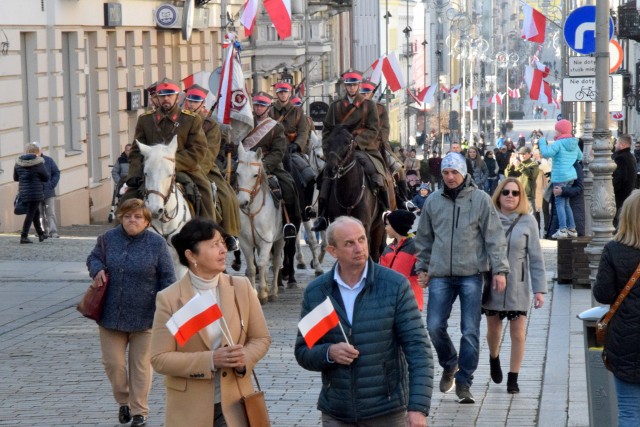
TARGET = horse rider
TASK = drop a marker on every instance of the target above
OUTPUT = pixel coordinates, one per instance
(268, 135)
(296, 131)
(360, 117)
(159, 127)
(297, 102)
(229, 215)
(395, 166)
(153, 96)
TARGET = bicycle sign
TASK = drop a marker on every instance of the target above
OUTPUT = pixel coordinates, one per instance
(583, 89)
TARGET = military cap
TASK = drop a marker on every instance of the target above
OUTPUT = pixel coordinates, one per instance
(352, 76)
(196, 93)
(283, 87)
(296, 101)
(167, 87)
(152, 88)
(262, 98)
(366, 86)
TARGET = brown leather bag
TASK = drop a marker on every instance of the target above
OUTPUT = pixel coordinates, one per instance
(91, 304)
(256, 407)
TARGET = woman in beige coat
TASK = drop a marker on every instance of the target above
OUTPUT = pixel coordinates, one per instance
(206, 378)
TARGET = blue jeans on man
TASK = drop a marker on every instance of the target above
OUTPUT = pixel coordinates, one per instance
(443, 292)
(628, 395)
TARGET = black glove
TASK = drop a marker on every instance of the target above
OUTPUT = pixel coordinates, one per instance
(293, 148)
(134, 182)
(229, 148)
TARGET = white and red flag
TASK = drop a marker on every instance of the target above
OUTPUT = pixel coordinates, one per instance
(234, 108)
(543, 68)
(201, 311)
(318, 322)
(455, 89)
(200, 78)
(426, 94)
(473, 102)
(376, 76)
(248, 18)
(533, 25)
(538, 88)
(496, 99)
(514, 93)
(393, 72)
(280, 13)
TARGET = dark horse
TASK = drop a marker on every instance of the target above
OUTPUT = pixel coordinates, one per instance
(351, 192)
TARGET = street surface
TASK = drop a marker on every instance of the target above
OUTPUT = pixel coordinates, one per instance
(52, 374)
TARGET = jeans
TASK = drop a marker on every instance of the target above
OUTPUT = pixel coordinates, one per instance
(628, 407)
(443, 292)
(490, 185)
(563, 209)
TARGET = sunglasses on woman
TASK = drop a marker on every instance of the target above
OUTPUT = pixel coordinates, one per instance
(514, 193)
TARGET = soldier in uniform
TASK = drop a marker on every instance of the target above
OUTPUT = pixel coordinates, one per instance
(229, 215)
(269, 136)
(153, 96)
(291, 118)
(395, 166)
(297, 102)
(363, 124)
(159, 127)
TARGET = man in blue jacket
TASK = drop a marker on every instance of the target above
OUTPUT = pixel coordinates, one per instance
(48, 210)
(384, 374)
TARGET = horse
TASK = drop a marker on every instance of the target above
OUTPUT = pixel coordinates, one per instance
(351, 193)
(169, 208)
(261, 223)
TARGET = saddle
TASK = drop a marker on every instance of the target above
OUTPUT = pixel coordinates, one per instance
(305, 171)
(274, 188)
(190, 191)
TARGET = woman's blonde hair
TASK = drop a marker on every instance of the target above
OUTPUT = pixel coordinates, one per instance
(523, 203)
(628, 225)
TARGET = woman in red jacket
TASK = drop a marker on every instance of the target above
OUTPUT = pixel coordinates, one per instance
(400, 255)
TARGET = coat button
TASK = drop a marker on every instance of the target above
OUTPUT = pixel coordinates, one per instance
(224, 374)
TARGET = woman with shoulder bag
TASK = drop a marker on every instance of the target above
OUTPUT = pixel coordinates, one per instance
(139, 265)
(619, 260)
(207, 377)
(31, 175)
(526, 266)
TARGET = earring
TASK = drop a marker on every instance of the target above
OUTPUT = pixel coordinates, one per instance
(195, 264)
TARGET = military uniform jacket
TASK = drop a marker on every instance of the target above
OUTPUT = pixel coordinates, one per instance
(385, 127)
(213, 133)
(155, 127)
(273, 145)
(362, 123)
(294, 123)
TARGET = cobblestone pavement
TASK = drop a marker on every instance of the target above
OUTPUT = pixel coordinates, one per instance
(52, 374)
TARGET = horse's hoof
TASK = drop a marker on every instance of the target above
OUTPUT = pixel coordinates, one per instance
(312, 264)
(273, 298)
(281, 287)
(236, 265)
(263, 301)
(302, 266)
(292, 285)
(319, 273)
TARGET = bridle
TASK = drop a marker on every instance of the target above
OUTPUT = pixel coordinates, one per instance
(342, 170)
(253, 193)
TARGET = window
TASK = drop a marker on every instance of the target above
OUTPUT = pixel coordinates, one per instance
(29, 87)
(70, 93)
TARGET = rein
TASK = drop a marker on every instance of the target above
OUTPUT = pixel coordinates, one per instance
(252, 196)
(166, 198)
(342, 171)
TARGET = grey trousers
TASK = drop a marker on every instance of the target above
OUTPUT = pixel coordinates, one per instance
(397, 419)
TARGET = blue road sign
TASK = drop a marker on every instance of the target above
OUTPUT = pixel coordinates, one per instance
(580, 30)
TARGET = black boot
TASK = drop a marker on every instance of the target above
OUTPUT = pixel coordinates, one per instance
(232, 243)
(402, 191)
(25, 240)
(496, 370)
(383, 199)
(512, 383)
(237, 262)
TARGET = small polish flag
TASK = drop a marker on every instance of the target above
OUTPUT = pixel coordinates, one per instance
(248, 18)
(201, 311)
(318, 322)
(376, 76)
(533, 25)
(455, 88)
(514, 93)
(426, 94)
(393, 72)
(496, 99)
(538, 88)
(473, 103)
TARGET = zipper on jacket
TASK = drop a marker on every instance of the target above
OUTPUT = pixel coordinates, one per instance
(454, 224)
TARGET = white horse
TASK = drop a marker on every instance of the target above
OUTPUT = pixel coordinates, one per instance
(169, 209)
(316, 160)
(261, 224)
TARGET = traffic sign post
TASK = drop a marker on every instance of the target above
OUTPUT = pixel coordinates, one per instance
(580, 30)
(583, 89)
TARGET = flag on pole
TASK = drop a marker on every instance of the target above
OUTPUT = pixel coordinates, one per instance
(201, 311)
(495, 99)
(280, 13)
(200, 78)
(455, 89)
(426, 94)
(393, 72)
(376, 76)
(543, 68)
(248, 18)
(533, 25)
(514, 93)
(318, 322)
(538, 88)
(473, 102)
(413, 97)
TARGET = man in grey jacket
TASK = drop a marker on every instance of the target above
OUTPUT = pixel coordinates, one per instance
(459, 239)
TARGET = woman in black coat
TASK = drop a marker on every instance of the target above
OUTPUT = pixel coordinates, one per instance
(575, 193)
(31, 174)
(619, 260)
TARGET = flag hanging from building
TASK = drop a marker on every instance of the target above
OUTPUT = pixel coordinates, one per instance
(376, 75)
(426, 94)
(201, 311)
(455, 89)
(280, 13)
(388, 66)
(496, 99)
(533, 25)
(538, 88)
(513, 93)
(318, 322)
(248, 18)
(543, 68)
(473, 102)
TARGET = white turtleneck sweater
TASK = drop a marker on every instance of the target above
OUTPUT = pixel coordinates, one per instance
(214, 332)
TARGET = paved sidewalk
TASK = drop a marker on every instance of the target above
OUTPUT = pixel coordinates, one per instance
(52, 374)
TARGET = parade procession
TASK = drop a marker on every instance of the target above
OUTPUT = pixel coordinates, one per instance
(320, 212)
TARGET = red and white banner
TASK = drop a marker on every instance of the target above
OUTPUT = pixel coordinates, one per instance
(376, 76)
(514, 93)
(533, 25)
(201, 311)
(248, 18)
(426, 94)
(473, 103)
(318, 322)
(455, 89)
(280, 13)
(496, 99)
(538, 88)
(543, 68)
(393, 72)
(200, 78)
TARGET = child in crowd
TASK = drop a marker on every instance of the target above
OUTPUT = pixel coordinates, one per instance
(423, 192)
(564, 152)
(400, 255)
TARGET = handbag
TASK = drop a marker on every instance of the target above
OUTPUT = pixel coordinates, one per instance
(19, 206)
(255, 407)
(92, 302)
(603, 324)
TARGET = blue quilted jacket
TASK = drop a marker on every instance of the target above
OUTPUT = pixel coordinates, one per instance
(388, 332)
(563, 153)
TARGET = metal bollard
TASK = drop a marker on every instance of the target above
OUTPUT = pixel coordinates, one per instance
(603, 406)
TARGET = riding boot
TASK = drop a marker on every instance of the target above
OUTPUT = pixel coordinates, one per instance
(383, 199)
(321, 223)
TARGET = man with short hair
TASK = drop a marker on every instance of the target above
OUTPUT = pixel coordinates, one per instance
(459, 239)
(48, 210)
(384, 375)
(526, 170)
(624, 176)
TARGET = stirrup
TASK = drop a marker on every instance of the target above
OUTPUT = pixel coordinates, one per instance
(232, 243)
(289, 231)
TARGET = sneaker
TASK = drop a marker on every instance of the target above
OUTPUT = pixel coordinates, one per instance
(560, 234)
(138, 420)
(463, 393)
(448, 380)
(572, 232)
(124, 415)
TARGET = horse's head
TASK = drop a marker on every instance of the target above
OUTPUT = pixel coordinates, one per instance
(316, 156)
(340, 145)
(250, 175)
(159, 174)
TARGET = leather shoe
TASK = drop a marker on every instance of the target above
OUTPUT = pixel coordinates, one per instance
(320, 224)
(138, 420)
(124, 416)
(25, 240)
(42, 237)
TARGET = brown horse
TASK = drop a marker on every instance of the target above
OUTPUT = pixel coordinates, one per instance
(351, 193)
